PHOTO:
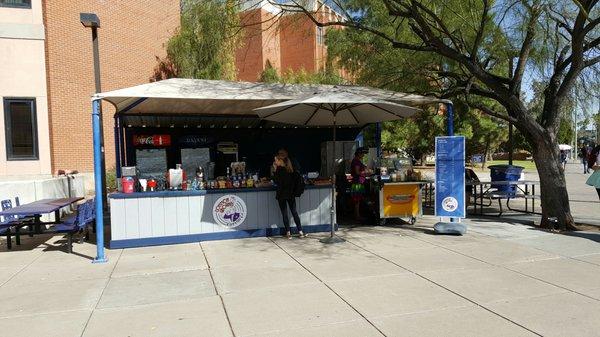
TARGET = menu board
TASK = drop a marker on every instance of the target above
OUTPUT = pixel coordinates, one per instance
(450, 176)
(192, 158)
(152, 163)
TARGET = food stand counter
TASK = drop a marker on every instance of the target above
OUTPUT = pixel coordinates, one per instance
(170, 217)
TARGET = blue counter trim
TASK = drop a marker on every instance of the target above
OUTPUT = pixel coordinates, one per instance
(172, 194)
(241, 234)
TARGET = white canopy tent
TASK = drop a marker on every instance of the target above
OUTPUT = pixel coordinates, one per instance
(193, 97)
(209, 97)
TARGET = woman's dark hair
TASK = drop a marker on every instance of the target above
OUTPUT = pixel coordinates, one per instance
(288, 165)
(360, 150)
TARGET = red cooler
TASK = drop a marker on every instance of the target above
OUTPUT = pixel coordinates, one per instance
(128, 184)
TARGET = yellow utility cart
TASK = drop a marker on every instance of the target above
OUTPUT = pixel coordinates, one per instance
(401, 200)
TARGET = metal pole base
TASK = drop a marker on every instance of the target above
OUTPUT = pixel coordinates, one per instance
(332, 239)
(99, 260)
(450, 228)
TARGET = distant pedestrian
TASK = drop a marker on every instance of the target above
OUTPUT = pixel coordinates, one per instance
(594, 164)
(563, 159)
(584, 153)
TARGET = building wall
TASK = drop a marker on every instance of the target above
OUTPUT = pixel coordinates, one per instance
(131, 35)
(260, 43)
(289, 42)
(22, 75)
(249, 56)
(298, 44)
(270, 40)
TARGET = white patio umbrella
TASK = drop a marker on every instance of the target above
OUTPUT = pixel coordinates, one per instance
(334, 108)
(564, 147)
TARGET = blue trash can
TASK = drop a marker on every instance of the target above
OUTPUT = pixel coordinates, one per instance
(505, 173)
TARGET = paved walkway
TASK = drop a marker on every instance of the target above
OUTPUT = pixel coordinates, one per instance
(498, 280)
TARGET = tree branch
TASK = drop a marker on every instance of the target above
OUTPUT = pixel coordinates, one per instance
(534, 13)
(492, 113)
(442, 27)
(593, 24)
(591, 62)
(356, 25)
(480, 31)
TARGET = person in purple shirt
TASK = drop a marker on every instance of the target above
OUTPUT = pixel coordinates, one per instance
(359, 172)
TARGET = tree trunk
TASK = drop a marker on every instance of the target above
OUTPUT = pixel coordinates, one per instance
(555, 199)
(485, 153)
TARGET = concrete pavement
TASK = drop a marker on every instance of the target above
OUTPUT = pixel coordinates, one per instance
(500, 279)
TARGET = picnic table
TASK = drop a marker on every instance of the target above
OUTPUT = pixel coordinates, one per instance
(524, 189)
(38, 208)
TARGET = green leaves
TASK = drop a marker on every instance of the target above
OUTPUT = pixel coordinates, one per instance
(204, 47)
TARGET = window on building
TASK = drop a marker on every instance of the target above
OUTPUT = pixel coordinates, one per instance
(21, 129)
(320, 35)
(16, 3)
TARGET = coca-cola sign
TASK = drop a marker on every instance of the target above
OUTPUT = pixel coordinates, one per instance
(152, 140)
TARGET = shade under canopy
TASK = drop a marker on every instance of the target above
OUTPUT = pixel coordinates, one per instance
(210, 97)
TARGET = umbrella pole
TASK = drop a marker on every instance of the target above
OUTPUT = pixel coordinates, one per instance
(332, 238)
(333, 196)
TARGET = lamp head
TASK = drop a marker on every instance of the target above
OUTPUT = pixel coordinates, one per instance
(89, 20)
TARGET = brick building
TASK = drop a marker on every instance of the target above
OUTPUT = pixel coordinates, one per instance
(287, 42)
(131, 35)
(48, 77)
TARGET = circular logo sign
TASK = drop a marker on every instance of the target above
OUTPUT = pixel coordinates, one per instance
(449, 204)
(229, 211)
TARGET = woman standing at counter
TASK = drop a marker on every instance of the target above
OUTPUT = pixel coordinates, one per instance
(285, 178)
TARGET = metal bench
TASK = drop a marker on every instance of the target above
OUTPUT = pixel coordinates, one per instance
(10, 223)
(77, 223)
(499, 195)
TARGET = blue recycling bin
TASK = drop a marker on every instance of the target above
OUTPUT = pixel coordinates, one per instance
(506, 173)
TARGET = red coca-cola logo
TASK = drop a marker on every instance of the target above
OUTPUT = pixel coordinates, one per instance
(152, 140)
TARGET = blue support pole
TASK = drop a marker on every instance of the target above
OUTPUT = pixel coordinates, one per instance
(450, 125)
(97, 134)
(450, 119)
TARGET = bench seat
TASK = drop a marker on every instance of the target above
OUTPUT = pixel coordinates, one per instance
(76, 223)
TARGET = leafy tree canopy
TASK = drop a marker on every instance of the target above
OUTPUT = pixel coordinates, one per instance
(204, 47)
(373, 61)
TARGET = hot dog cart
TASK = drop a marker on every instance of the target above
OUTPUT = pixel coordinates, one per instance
(398, 191)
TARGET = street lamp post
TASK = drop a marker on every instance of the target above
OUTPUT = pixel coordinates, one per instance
(90, 20)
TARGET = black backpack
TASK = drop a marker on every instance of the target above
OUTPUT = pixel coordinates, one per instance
(299, 184)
